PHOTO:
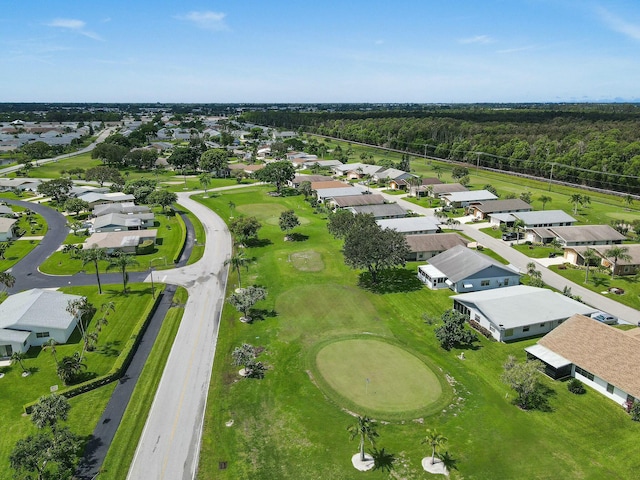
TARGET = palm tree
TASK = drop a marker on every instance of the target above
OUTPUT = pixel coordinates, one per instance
(531, 267)
(121, 262)
(544, 199)
(232, 206)
(576, 199)
(106, 308)
(589, 256)
(556, 244)
(94, 255)
(19, 357)
(517, 226)
(617, 253)
(435, 439)
(205, 181)
(7, 279)
(69, 367)
(3, 248)
(238, 261)
(51, 345)
(437, 169)
(364, 429)
(628, 199)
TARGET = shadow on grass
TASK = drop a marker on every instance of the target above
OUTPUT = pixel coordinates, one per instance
(298, 237)
(391, 281)
(258, 242)
(109, 349)
(599, 281)
(262, 313)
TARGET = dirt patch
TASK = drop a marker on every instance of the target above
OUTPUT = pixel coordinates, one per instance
(307, 261)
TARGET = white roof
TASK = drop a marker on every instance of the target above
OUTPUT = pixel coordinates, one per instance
(36, 308)
(547, 356)
(473, 195)
(432, 271)
(410, 224)
(339, 192)
(92, 197)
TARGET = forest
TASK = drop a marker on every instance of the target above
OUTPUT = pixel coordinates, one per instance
(593, 145)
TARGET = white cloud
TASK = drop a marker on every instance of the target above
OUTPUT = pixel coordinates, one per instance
(206, 20)
(618, 24)
(73, 25)
(516, 49)
(477, 39)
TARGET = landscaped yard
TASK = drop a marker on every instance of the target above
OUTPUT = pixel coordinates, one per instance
(87, 408)
(286, 426)
(16, 251)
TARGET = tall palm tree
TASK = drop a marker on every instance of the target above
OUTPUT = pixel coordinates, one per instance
(94, 255)
(544, 199)
(205, 181)
(617, 253)
(365, 430)
(231, 206)
(19, 357)
(517, 226)
(238, 261)
(589, 256)
(3, 248)
(106, 308)
(435, 439)
(576, 199)
(7, 279)
(121, 262)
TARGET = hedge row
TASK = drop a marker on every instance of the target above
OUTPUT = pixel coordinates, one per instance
(183, 235)
(120, 365)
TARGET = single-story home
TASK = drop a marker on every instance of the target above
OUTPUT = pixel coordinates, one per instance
(542, 218)
(576, 235)
(468, 270)
(391, 174)
(439, 189)
(325, 194)
(8, 184)
(79, 190)
(602, 357)
(520, 311)
(424, 186)
(329, 184)
(124, 207)
(412, 225)
(355, 171)
(299, 179)
(115, 222)
(354, 200)
(8, 228)
(482, 210)
(426, 246)
(464, 199)
(32, 317)
(379, 212)
(93, 198)
(574, 255)
(125, 241)
(7, 211)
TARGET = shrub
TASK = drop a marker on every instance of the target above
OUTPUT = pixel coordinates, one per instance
(635, 412)
(145, 247)
(576, 386)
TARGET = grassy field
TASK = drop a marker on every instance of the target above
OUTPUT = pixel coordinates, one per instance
(286, 427)
(16, 252)
(123, 446)
(16, 390)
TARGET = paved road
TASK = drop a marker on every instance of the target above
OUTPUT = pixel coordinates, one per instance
(520, 260)
(170, 443)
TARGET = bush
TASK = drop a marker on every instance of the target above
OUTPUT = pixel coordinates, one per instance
(145, 247)
(576, 386)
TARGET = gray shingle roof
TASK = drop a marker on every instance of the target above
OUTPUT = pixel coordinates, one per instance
(509, 205)
(434, 242)
(588, 233)
(36, 308)
(460, 262)
(384, 210)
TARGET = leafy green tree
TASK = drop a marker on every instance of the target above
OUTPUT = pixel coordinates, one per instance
(544, 199)
(49, 410)
(122, 262)
(524, 378)
(576, 200)
(590, 256)
(526, 197)
(490, 188)
(341, 221)
(375, 249)
(244, 228)
(94, 256)
(244, 355)
(556, 244)
(245, 299)
(163, 198)
(58, 189)
(364, 430)
(214, 160)
(617, 253)
(111, 154)
(277, 173)
(238, 261)
(458, 172)
(453, 331)
(205, 181)
(7, 279)
(50, 345)
(76, 205)
(183, 159)
(69, 367)
(47, 455)
(434, 439)
(36, 150)
(103, 174)
(288, 221)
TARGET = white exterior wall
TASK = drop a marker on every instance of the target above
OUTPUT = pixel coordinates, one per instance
(59, 335)
(517, 332)
(619, 396)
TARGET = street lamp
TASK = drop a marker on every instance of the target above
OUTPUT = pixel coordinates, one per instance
(153, 288)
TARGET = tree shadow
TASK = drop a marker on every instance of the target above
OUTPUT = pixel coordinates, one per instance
(599, 281)
(262, 314)
(109, 349)
(258, 242)
(83, 377)
(391, 281)
(298, 237)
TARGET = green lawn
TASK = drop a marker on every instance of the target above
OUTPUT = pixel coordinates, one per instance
(198, 247)
(286, 427)
(87, 408)
(16, 252)
(125, 442)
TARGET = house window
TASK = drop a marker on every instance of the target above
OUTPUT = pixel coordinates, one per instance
(542, 325)
(508, 332)
(584, 373)
(506, 282)
(485, 283)
(476, 317)
(609, 388)
(24, 344)
(42, 334)
(631, 399)
(525, 329)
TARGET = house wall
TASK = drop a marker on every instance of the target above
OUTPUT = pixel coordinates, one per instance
(601, 242)
(58, 334)
(486, 280)
(414, 256)
(13, 347)
(433, 283)
(5, 236)
(602, 386)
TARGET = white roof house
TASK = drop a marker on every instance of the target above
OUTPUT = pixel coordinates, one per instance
(125, 241)
(411, 225)
(7, 228)
(542, 218)
(113, 222)
(94, 198)
(326, 193)
(124, 207)
(520, 311)
(32, 317)
(379, 212)
(463, 199)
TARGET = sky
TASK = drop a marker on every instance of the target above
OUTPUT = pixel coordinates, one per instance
(324, 51)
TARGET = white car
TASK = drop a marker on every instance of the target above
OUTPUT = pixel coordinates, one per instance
(604, 318)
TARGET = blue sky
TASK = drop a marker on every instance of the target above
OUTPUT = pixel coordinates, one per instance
(329, 51)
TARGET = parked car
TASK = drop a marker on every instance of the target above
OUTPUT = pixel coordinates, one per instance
(604, 318)
(512, 236)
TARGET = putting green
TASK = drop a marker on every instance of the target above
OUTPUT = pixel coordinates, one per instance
(378, 376)
(307, 261)
(262, 211)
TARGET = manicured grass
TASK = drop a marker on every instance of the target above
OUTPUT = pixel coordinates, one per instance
(307, 261)
(125, 442)
(535, 251)
(198, 247)
(379, 378)
(16, 252)
(287, 428)
(16, 390)
(54, 169)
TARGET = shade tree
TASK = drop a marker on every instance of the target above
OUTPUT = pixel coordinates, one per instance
(453, 332)
(244, 300)
(524, 378)
(288, 221)
(277, 173)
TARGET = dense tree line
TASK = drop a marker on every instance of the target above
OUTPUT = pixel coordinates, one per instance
(591, 145)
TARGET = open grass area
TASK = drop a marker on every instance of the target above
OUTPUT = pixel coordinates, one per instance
(16, 252)
(125, 442)
(16, 391)
(285, 427)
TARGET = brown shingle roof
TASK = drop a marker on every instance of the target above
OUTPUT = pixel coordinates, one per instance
(442, 188)
(607, 352)
(329, 184)
(353, 200)
(588, 233)
(434, 242)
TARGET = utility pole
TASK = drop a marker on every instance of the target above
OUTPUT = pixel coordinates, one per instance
(551, 176)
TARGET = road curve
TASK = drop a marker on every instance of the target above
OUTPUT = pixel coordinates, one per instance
(170, 442)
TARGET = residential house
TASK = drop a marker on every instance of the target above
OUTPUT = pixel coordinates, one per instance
(355, 171)
(520, 311)
(325, 194)
(482, 210)
(6, 211)
(438, 190)
(574, 256)
(125, 241)
(577, 235)
(116, 222)
(602, 357)
(33, 317)
(381, 211)
(124, 207)
(355, 200)
(464, 199)
(543, 218)
(8, 228)
(426, 246)
(22, 184)
(425, 186)
(329, 184)
(412, 225)
(93, 198)
(468, 270)
(299, 179)
(391, 174)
